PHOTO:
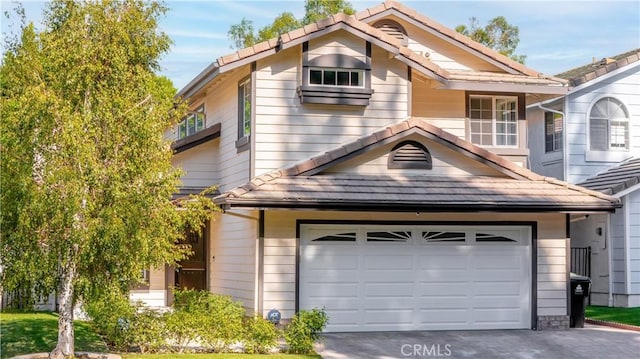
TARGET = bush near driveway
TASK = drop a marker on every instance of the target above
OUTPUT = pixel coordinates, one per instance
(36, 332)
(629, 316)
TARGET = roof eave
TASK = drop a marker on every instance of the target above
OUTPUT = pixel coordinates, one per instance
(417, 207)
(505, 87)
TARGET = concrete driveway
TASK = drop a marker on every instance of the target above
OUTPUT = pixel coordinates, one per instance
(589, 342)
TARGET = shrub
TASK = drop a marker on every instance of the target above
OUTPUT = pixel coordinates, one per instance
(111, 316)
(304, 329)
(260, 335)
(215, 320)
(148, 330)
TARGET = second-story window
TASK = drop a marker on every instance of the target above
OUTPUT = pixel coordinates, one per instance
(336, 77)
(244, 108)
(608, 125)
(194, 122)
(493, 121)
(552, 132)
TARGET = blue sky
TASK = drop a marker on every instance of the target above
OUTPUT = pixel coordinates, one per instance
(555, 35)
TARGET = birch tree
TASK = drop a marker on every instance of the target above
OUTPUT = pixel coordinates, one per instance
(86, 177)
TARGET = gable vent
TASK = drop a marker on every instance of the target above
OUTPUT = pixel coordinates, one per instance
(409, 155)
(393, 29)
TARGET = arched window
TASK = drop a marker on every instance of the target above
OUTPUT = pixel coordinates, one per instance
(608, 125)
(410, 155)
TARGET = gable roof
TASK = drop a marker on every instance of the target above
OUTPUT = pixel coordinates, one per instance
(303, 186)
(580, 75)
(616, 179)
(356, 25)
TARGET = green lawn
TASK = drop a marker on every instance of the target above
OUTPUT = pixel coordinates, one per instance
(619, 315)
(37, 332)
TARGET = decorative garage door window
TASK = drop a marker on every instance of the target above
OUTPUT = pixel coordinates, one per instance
(388, 236)
(333, 236)
(486, 237)
(436, 236)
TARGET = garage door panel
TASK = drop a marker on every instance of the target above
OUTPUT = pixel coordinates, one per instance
(385, 262)
(440, 262)
(389, 288)
(328, 290)
(497, 288)
(444, 275)
(442, 289)
(419, 285)
(335, 262)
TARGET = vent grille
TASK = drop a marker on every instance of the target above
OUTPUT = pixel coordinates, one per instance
(393, 29)
(410, 155)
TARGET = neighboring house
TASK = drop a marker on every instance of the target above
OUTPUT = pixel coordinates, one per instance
(599, 149)
(375, 166)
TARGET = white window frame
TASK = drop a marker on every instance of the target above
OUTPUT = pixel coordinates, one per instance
(244, 97)
(494, 121)
(556, 142)
(608, 127)
(361, 76)
(199, 125)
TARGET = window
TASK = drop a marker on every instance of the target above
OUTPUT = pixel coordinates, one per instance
(436, 236)
(388, 236)
(608, 125)
(338, 237)
(552, 131)
(336, 77)
(493, 121)
(194, 122)
(244, 108)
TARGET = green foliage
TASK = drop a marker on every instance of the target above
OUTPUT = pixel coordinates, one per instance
(215, 320)
(86, 171)
(260, 335)
(148, 330)
(304, 330)
(498, 34)
(111, 317)
(242, 35)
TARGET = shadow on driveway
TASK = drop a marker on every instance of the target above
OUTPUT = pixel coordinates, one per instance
(589, 342)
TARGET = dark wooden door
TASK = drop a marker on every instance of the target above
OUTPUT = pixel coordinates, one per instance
(192, 273)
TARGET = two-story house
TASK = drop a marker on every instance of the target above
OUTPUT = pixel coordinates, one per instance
(591, 137)
(375, 166)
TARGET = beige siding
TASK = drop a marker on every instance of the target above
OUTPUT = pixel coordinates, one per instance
(232, 256)
(288, 132)
(443, 53)
(446, 162)
(339, 42)
(280, 247)
(443, 108)
(199, 165)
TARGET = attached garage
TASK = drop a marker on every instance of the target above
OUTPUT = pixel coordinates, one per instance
(417, 277)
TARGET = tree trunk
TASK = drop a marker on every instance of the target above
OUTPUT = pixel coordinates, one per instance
(65, 346)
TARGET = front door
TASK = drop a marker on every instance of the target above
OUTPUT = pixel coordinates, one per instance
(192, 272)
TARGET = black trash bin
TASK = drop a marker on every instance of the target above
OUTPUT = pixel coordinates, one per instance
(580, 287)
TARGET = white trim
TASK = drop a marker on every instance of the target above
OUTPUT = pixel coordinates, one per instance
(604, 77)
(504, 87)
(610, 258)
(592, 155)
(626, 191)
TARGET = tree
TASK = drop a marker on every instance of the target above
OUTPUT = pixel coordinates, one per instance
(86, 172)
(242, 35)
(498, 34)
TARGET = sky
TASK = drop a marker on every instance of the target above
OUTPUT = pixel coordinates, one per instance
(554, 35)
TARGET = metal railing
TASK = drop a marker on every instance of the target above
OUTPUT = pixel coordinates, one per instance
(581, 261)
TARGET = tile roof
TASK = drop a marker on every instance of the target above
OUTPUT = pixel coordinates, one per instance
(448, 32)
(582, 74)
(616, 179)
(482, 76)
(303, 185)
(410, 193)
(401, 52)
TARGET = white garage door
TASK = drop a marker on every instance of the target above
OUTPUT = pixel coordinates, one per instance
(372, 278)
